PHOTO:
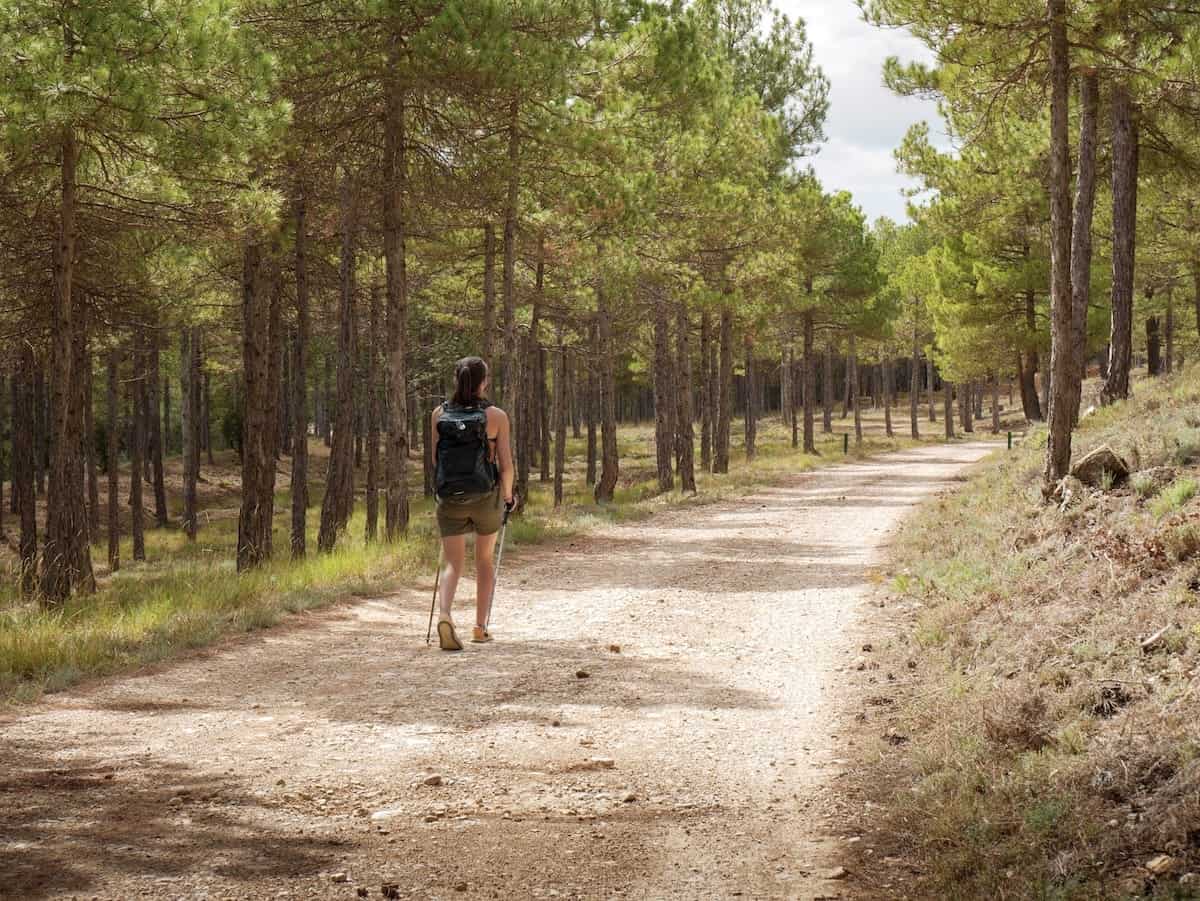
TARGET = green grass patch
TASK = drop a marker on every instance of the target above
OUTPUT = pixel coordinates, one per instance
(1174, 496)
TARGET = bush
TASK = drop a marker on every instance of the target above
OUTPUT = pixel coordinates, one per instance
(1187, 447)
(1174, 496)
(1144, 485)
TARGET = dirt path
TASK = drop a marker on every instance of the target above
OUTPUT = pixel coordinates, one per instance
(692, 763)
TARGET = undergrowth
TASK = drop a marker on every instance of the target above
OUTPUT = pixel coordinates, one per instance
(1045, 744)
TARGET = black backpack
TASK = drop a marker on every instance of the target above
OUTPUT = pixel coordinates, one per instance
(464, 468)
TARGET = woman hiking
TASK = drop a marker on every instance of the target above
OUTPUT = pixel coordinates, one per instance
(473, 478)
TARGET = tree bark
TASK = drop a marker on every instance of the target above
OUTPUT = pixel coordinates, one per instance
(510, 365)
(254, 519)
(189, 405)
(1064, 369)
(1081, 232)
(609, 463)
(65, 524)
(396, 188)
(374, 414)
(967, 407)
(154, 436)
(751, 419)
(1169, 332)
(887, 397)
(827, 391)
(112, 450)
(339, 483)
(23, 468)
(299, 485)
(948, 407)
(685, 438)
(489, 294)
(914, 385)
(561, 403)
(1153, 346)
(708, 396)
(1124, 189)
(724, 394)
(995, 403)
(137, 445)
(929, 389)
(593, 401)
(89, 449)
(808, 385)
(664, 395)
(852, 389)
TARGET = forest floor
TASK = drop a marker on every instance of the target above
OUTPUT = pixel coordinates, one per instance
(660, 716)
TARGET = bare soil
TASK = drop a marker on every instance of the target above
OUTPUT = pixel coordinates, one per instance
(659, 717)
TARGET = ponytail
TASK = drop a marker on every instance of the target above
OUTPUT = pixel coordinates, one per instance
(469, 375)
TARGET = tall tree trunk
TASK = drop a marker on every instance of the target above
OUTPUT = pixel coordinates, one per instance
(63, 506)
(593, 402)
(339, 483)
(396, 190)
(708, 396)
(23, 468)
(89, 445)
(751, 420)
(948, 407)
(995, 403)
(371, 376)
(827, 391)
(1153, 346)
(967, 407)
(489, 294)
(254, 519)
(664, 394)
(1124, 189)
(852, 389)
(561, 415)
(137, 444)
(914, 385)
(1064, 370)
(887, 397)
(509, 369)
(155, 436)
(41, 429)
(929, 389)
(1081, 232)
(609, 462)
(1169, 331)
(809, 387)
(190, 406)
(685, 438)
(724, 394)
(112, 450)
(299, 536)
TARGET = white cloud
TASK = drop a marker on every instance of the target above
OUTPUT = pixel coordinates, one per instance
(866, 120)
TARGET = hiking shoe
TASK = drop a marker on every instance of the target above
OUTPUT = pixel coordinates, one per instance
(481, 635)
(447, 637)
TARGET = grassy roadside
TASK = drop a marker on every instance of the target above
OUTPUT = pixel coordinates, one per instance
(1030, 729)
(189, 595)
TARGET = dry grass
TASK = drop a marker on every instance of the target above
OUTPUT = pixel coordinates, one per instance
(1052, 755)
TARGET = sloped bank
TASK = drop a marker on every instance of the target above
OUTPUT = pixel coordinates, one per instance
(1029, 729)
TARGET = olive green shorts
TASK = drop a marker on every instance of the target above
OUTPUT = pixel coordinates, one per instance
(481, 514)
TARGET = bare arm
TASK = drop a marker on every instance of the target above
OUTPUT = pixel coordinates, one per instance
(504, 457)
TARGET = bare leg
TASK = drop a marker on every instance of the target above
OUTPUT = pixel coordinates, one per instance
(485, 575)
(454, 552)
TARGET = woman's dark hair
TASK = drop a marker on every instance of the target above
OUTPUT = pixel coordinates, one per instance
(469, 373)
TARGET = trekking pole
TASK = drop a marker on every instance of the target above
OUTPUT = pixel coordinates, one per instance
(433, 604)
(499, 558)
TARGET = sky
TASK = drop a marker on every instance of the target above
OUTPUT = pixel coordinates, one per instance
(866, 121)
